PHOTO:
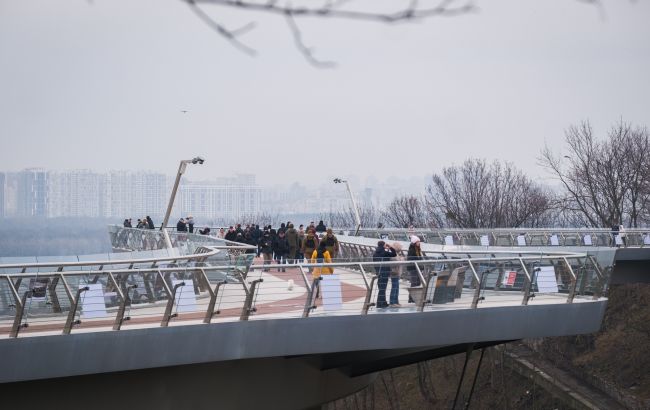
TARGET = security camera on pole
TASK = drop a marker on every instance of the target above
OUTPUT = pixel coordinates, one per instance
(181, 171)
(354, 203)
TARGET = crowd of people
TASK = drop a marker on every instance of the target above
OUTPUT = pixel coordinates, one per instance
(144, 223)
(287, 245)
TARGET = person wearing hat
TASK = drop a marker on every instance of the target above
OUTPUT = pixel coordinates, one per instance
(383, 253)
(414, 254)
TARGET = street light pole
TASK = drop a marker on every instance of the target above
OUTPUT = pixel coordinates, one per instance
(354, 203)
(170, 205)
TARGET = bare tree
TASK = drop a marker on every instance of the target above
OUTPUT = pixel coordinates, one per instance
(405, 211)
(605, 182)
(477, 194)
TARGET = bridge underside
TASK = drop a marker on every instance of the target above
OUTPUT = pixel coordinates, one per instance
(270, 383)
(281, 363)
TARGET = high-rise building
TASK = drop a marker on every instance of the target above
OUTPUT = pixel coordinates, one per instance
(31, 193)
(227, 198)
(77, 193)
(137, 194)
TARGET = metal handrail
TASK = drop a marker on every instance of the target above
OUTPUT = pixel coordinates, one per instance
(198, 276)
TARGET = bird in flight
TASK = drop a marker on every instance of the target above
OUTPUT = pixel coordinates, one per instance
(184, 111)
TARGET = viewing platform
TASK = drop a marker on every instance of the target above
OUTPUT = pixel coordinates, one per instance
(208, 312)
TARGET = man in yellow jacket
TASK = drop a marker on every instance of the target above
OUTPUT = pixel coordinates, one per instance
(321, 255)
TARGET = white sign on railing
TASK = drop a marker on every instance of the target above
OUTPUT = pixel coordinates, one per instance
(587, 240)
(618, 240)
(185, 299)
(546, 280)
(449, 240)
(646, 239)
(521, 240)
(330, 286)
(555, 241)
(485, 240)
(92, 301)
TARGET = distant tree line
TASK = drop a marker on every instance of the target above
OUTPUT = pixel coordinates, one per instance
(603, 182)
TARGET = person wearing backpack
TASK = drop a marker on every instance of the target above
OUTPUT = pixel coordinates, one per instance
(321, 255)
(310, 244)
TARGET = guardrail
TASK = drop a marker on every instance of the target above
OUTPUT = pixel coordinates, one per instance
(105, 295)
(517, 237)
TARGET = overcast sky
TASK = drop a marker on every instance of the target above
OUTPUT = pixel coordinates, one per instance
(102, 85)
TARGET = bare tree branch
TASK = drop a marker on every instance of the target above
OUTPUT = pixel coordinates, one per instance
(304, 50)
(230, 35)
(333, 9)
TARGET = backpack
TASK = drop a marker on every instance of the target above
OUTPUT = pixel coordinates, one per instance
(320, 258)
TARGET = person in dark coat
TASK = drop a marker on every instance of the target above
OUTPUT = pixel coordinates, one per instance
(281, 249)
(256, 234)
(266, 248)
(248, 239)
(383, 253)
(190, 224)
(294, 243)
(231, 235)
(150, 224)
(180, 226)
(414, 254)
(320, 228)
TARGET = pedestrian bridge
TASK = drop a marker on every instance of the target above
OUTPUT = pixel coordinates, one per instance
(204, 323)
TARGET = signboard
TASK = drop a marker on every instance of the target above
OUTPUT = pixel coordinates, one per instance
(646, 239)
(185, 299)
(618, 240)
(92, 301)
(449, 240)
(330, 286)
(587, 240)
(546, 280)
(555, 241)
(485, 241)
(509, 278)
(521, 240)
(38, 288)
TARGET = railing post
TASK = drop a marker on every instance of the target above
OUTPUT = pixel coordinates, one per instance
(304, 277)
(310, 303)
(248, 303)
(425, 287)
(479, 283)
(171, 294)
(367, 301)
(574, 282)
(601, 278)
(527, 283)
(20, 308)
(213, 297)
(74, 304)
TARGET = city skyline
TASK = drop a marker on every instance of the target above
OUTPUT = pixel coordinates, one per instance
(38, 192)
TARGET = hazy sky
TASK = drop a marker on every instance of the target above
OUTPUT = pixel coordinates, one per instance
(101, 85)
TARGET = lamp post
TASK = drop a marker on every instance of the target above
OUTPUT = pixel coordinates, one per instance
(181, 171)
(354, 203)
